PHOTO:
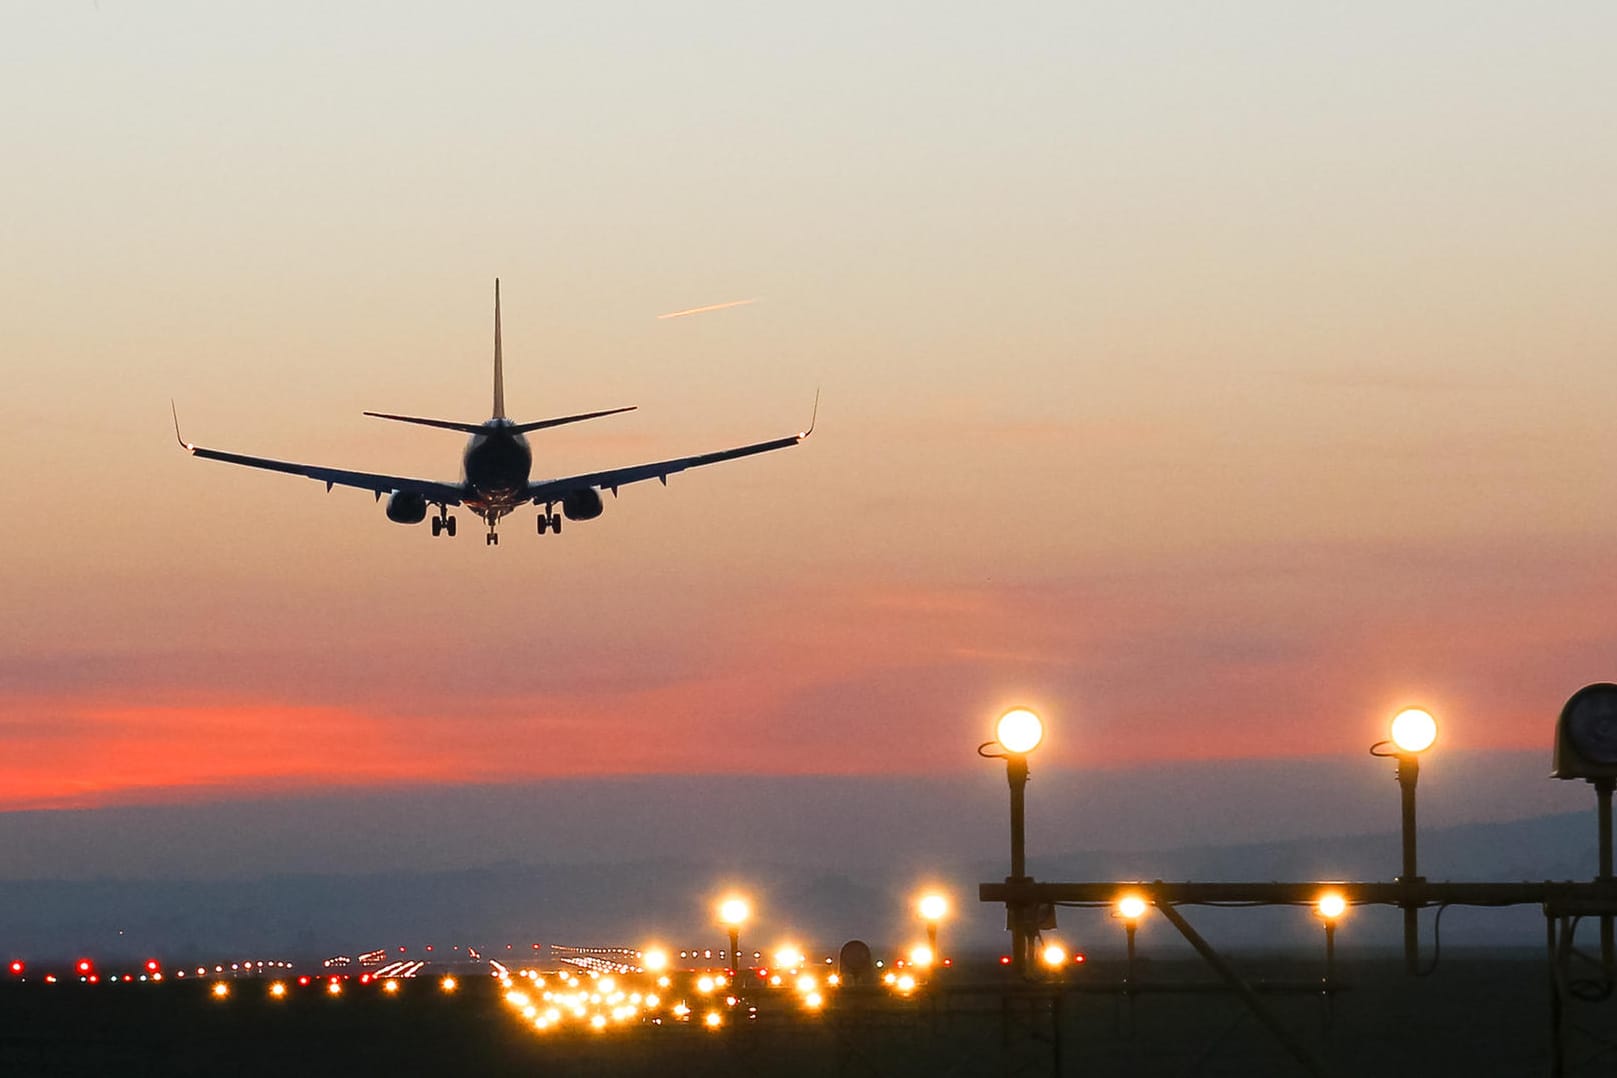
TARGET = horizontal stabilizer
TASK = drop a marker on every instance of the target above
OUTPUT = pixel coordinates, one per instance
(442, 424)
(541, 424)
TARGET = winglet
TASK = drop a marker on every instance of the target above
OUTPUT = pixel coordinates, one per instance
(813, 418)
(185, 445)
(499, 363)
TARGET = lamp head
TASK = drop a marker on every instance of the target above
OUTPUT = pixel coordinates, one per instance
(933, 907)
(1330, 906)
(1131, 908)
(733, 912)
(1019, 731)
(1413, 730)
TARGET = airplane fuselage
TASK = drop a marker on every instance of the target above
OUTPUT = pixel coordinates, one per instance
(497, 465)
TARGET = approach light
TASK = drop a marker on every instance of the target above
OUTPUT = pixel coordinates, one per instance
(277, 990)
(220, 990)
(17, 968)
(1054, 955)
(933, 907)
(448, 984)
(733, 911)
(1131, 908)
(1019, 731)
(655, 960)
(1414, 730)
(921, 956)
(1586, 734)
(1330, 906)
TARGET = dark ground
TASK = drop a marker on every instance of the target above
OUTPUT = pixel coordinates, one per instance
(1477, 1015)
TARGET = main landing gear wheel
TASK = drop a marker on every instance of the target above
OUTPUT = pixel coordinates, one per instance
(443, 525)
(549, 522)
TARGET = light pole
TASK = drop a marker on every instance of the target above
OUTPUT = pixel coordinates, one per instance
(933, 908)
(733, 914)
(1330, 908)
(1017, 733)
(1413, 731)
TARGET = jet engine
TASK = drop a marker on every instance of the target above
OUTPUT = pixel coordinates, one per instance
(582, 504)
(406, 507)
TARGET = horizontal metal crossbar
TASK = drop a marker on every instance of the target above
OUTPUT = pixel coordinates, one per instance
(1560, 897)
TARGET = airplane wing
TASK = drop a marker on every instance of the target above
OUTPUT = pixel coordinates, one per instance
(613, 478)
(446, 493)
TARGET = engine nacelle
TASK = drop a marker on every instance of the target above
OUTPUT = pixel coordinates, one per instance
(582, 504)
(405, 507)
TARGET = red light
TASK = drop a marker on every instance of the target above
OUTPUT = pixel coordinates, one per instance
(1079, 959)
(17, 968)
(129, 978)
(1004, 959)
(364, 978)
(429, 946)
(84, 966)
(151, 965)
(401, 950)
(948, 961)
(304, 980)
(95, 978)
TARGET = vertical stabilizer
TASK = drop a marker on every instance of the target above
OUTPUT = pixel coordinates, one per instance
(499, 363)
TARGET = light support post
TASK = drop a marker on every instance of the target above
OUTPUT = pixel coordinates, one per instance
(1608, 937)
(1017, 733)
(1413, 731)
(732, 913)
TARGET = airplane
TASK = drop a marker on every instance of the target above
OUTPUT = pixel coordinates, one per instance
(496, 467)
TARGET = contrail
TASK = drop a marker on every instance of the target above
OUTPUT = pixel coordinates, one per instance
(709, 307)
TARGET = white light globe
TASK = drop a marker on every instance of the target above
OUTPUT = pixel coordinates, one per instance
(1414, 730)
(1019, 731)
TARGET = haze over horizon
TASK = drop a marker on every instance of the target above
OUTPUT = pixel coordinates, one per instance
(1216, 381)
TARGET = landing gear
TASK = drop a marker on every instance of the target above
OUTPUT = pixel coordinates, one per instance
(549, 522)
(492, 539)
(443, 524)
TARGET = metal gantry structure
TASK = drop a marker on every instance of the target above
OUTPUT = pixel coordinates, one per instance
(1585, 749)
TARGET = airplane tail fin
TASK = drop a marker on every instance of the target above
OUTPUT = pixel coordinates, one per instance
(499, 363)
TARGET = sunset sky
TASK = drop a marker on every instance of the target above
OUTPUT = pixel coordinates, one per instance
(1215, 378)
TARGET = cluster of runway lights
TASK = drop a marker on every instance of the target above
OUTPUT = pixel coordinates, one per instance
(1019, 731)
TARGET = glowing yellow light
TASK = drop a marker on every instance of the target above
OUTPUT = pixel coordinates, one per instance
(1054, 955)
(652, 1002)
(889, 978)
(1331, 905)
(704, 985)
(1019, 731)
(663, 982)
(390, 987)
(278, 989)
(813, 1001)
(1131, 907)
(1414, 730)
(807, 983)
(334, 988)
(788, 957)
(714, 1019)
(733, 911)
(833, 980)
(774, 980)
(906, 983)
(680, 1010)
(921, 955)
(654, 960)
(598, 1021)
(448, 984)
(933, 907)
(220, 990)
